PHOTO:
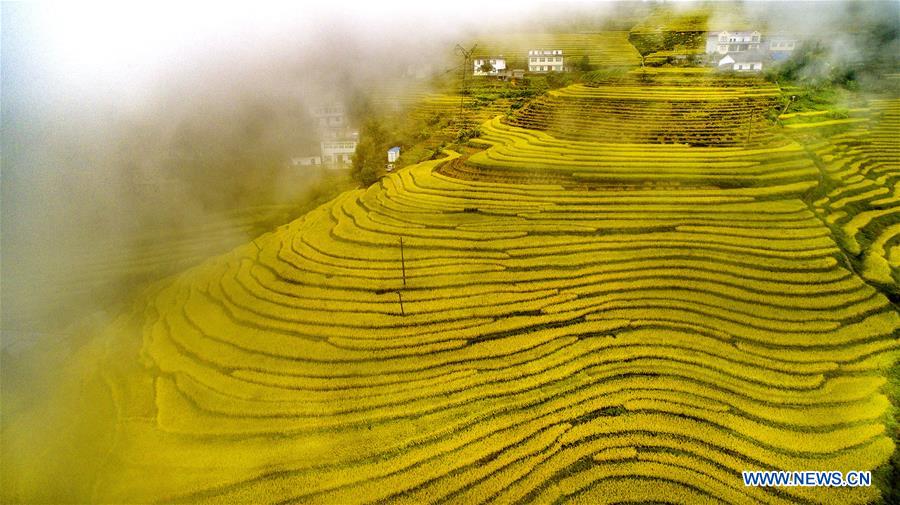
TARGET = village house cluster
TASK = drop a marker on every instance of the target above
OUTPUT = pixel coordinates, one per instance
(539, 61)
(727, 50)
(746, 51)
(337, 140)
(495, 66)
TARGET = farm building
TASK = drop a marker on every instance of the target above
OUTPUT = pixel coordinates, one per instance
(338, 153)
(746, 61)
(489, 66)
(330, 115)
(516, 73)
(725, 42)
(780, 47)
(540, 60)
(393, 154)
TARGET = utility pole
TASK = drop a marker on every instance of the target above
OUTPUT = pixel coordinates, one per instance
(400, 298)
(467, 55)
(403, 270)
(749, 128)
(403, 261)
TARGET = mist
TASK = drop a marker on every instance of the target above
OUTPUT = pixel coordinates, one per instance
(139, 140)
(133, 125)
(124, 125)
(133, 133)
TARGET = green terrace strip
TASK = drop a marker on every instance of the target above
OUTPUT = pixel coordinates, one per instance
(627, 110)
(862, 204)
(538, 153)
(567, 319)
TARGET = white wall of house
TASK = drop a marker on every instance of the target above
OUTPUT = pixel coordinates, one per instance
(725, 42)
(541, 60)
(748, 66)
(728, 63)
(782, 44)
(330, 115)
(337, 153)
(498, 64)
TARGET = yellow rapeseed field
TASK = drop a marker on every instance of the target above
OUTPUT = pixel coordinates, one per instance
(589, 319)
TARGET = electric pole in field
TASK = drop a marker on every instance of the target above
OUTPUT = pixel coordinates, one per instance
(400, 298)
(403, 270)
(467, 57)
(403, 261)
(749, 128)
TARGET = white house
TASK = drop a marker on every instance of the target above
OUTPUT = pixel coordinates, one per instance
(516, 73)
(781, 48)
(782, 44)
(330, 115)
(498, 65)
(726, 62)
(748, 61)
(393, 155)
(725, 42)
(541, 60)
(338, 153)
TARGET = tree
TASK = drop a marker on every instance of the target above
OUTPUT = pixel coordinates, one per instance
(584, 64)
(486, 67)
(371, 152)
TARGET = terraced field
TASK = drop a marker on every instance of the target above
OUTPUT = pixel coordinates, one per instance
(862, 169)
(519, 153)
(605, 49)
(109, 267)
(657, 111)
(444, 109)
(548, 319)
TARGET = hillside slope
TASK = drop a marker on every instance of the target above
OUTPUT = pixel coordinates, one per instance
(563, 319)
(636, 312)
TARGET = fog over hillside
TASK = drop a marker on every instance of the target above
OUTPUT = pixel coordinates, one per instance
(124, 122)
(141, 139)
(120, 120)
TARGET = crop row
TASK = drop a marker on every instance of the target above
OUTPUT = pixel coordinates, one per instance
(863, 167)
(518, 149)
(441, 339)
(697, 115)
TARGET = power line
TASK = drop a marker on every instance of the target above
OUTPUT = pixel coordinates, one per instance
(467, 55)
